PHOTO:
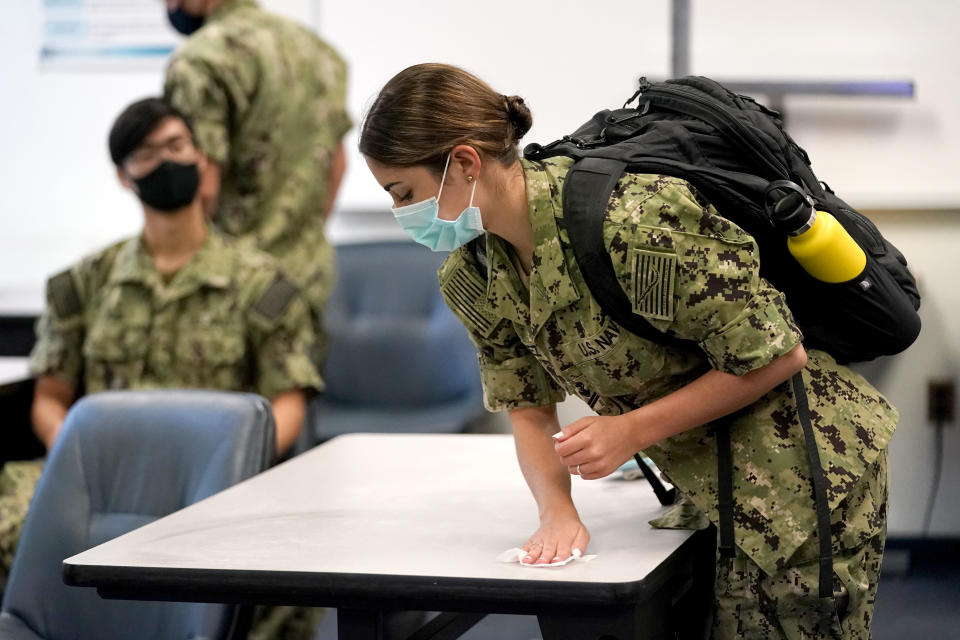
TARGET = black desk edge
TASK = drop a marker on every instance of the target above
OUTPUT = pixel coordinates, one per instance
(367, 590)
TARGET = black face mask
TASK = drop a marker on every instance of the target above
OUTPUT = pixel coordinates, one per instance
(170, 186)
(185, 23)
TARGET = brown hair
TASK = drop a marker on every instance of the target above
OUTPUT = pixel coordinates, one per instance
(427, 109)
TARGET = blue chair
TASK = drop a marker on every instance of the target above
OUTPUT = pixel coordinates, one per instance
(123, 460)
(398, 360)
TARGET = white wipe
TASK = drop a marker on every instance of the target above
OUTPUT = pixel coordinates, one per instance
(517, 555)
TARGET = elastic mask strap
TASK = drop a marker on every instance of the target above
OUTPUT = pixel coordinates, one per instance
(473, 191)
(444, 176)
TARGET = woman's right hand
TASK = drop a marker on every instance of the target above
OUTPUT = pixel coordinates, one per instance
(556, 539)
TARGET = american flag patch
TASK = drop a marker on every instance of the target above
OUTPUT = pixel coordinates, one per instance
(653, 279)
(465, 292)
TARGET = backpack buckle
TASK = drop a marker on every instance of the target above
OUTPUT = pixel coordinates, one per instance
(582, 143)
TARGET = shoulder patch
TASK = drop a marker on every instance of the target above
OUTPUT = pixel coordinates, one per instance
(63, 292)
(276, 298)
(464, 292)
(653, 277)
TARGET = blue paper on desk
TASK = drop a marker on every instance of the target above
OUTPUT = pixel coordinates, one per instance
(630, 470)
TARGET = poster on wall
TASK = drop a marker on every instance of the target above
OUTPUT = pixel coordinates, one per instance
(104, 35)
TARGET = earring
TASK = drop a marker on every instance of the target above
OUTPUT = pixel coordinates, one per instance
(469, 178)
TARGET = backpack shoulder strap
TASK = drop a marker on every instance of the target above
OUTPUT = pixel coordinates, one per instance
(586, 192)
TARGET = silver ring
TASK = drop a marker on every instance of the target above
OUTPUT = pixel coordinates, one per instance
(578, 471)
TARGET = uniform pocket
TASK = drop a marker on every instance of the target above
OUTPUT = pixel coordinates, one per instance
(114, 357)
(214, 358)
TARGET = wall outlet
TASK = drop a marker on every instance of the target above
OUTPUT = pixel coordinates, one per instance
(941, 400)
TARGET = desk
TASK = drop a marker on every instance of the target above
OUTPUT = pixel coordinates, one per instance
(371, 523)
(13, 370)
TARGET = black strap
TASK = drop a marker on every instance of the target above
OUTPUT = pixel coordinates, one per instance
(585, 196)
(819, 489)
(726, 543)
(664, 495)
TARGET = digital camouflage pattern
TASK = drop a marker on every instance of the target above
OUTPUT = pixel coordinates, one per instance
(266, 98)
(751, 605)
(17, 480)
(227, 320)
(694, 275)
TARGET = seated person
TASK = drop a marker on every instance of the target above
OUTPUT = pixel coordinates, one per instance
(176, 306)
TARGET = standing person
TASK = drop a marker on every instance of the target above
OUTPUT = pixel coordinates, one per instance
(174, 307)
(443, 144)
(267, 101)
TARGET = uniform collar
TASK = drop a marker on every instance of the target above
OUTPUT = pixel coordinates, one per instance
(550, 285)
(211, 266)
(229, 7)
(505, 290)
(133, 264)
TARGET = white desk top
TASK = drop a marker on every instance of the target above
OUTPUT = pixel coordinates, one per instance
(392, 505)
(13, 369)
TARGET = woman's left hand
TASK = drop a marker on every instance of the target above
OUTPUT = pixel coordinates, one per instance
(596, 446)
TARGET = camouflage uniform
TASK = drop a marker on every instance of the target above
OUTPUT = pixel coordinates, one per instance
(694, 275)
(17, 480)
(266, 99)
(228, 319)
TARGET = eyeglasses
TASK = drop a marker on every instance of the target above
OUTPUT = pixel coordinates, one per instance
(175, 146)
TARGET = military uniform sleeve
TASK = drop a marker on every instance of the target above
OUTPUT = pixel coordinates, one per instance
(695, 275)
(199, 91)
(60, 331)
(283, 340)
(338, 119)
(512, 377)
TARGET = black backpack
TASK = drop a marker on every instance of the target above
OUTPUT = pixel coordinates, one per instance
(734, 152)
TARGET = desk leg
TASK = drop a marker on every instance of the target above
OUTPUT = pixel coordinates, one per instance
(359, 624)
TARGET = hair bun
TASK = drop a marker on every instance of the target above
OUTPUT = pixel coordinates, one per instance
(519, 115)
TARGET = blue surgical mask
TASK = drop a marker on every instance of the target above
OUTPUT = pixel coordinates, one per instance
(421, 221)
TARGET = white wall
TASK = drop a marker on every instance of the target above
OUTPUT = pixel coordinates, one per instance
(60, 198)
(567, 58)
(929, 240)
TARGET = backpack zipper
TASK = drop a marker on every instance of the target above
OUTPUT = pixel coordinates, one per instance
(741, 130)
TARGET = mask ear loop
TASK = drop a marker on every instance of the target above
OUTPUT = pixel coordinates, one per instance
(444, 176)
(473, 191)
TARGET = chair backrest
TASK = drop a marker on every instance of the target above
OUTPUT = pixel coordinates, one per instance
(122, 460)
(392, 340)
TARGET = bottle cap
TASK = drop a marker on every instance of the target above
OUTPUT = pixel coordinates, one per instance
(794, 214)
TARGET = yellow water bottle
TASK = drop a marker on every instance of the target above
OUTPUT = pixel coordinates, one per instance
(818, 241)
